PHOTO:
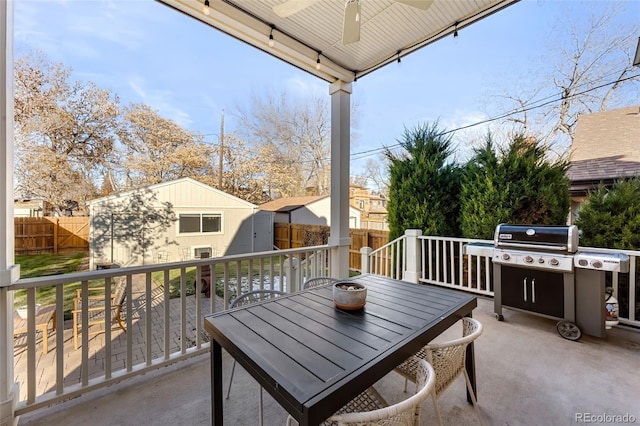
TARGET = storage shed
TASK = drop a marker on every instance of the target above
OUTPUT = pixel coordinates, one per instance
(172, 221)
(309, 210)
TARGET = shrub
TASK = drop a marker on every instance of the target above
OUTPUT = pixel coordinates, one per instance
(423, 188)
(610, 218)
(518, 184)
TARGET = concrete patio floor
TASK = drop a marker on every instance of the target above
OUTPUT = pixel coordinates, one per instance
(527, 375)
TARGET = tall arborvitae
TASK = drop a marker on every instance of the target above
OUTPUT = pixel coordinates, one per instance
(424, 185)
(518, 185)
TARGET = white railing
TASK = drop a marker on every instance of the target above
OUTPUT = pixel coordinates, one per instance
(163, 309)
(440, 261)
(388, 260)
(443, 264)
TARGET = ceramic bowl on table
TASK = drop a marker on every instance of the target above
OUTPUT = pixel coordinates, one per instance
(349, 295)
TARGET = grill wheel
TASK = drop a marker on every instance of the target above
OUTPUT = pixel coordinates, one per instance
(568, 330)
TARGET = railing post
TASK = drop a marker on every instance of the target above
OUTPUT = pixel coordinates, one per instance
(291, 266)
(413, 256)
(9, 273)
(364, 259)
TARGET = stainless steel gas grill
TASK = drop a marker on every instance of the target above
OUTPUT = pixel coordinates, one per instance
(533, 272)
(538, 269)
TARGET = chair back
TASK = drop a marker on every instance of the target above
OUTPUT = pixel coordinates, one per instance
(318, 281)
(205, 270)
(448, 358)
(254, 297)
(405, 412)
(118, 297)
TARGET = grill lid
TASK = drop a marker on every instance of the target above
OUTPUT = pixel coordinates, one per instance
(537, 237)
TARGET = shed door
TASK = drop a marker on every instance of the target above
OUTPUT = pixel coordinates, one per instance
(263, 231)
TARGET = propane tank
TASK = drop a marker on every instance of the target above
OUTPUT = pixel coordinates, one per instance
(611, 309)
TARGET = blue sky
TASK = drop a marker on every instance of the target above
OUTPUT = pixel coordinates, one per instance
(145, 52)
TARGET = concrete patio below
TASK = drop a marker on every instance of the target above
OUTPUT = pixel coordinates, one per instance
(527, 375)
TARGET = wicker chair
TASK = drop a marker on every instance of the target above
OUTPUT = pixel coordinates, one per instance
(96, 310)
(448, 360)
(371, 409)
(318, 281)
(247, 299)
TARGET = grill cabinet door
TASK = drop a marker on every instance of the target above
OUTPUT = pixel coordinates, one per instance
(533, 290)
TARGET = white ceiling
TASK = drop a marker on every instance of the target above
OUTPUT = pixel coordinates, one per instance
(389, 30)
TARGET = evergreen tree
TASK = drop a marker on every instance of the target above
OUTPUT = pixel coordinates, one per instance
(517, 185)
(424, 187)
(610, 218)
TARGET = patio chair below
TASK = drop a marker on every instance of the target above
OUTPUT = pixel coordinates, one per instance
(371, 409)
(448, 360)
(318, 281)
(96, 310)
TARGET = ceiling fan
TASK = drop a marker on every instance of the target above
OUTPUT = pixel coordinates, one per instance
(351, 25)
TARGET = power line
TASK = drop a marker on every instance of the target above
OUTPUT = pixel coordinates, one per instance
(535, 105)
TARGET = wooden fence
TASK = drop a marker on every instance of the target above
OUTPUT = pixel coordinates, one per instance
(291, 235)
(35, 235)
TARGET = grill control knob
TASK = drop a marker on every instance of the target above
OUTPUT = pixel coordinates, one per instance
(554, 262)
(528, 259)
(596, 264)
(505, 256)
(541, 260)
(583, 262)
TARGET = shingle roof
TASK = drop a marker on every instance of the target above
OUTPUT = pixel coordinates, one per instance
(606, 145)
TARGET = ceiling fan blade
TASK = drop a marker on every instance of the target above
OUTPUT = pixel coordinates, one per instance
(418, 4)
(351, 27)
(291, 7)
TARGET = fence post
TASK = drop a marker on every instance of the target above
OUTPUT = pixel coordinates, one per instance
(412, 268)
(56, 227)
(364, 259)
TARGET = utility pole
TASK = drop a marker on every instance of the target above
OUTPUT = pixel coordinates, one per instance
(221, 150)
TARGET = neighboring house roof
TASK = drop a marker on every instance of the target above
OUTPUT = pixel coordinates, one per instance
(170, 183)
(284, 205)
(606, 147)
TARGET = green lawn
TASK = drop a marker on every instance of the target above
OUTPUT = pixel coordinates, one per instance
(40, 265)
(174, 277)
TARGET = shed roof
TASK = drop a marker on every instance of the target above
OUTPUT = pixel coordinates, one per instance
(284, 205)
(170, 183)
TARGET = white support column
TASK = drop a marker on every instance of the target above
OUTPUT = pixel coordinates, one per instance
(9, 273)
(413, 268)
(340, 151)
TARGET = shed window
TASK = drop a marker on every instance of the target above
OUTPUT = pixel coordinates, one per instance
(200, 223)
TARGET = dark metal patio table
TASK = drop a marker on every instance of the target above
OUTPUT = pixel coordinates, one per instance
(314, 358)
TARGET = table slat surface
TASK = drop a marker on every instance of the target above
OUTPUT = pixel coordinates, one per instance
(313, 358)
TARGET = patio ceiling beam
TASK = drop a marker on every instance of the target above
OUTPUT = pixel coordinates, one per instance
(250, 29)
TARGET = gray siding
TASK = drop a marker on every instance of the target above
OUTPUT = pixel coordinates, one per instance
(123, 233)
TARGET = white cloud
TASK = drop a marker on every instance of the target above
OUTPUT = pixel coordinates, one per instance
(306, 87)
(161, 100)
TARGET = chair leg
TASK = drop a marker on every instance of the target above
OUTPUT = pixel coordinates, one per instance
(473, 397)
(436, 408)
(75, 331)
(260, 407)
(233, 369)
